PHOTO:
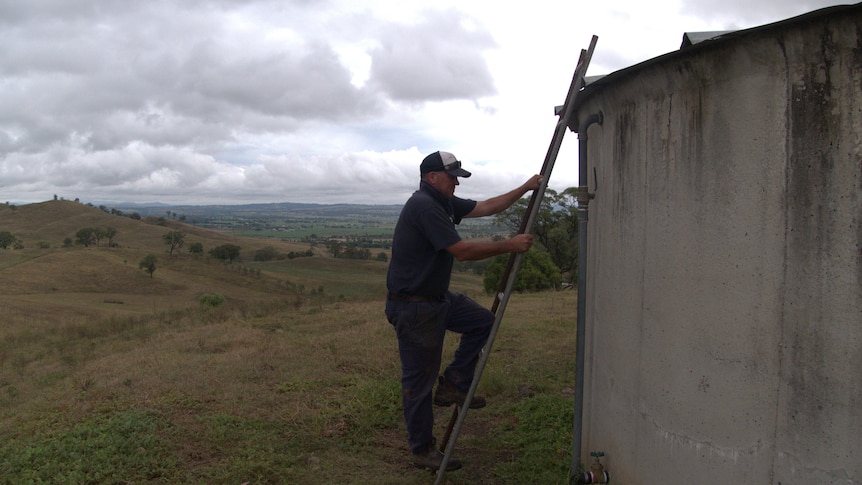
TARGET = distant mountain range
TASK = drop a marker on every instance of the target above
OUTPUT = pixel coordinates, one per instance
(262, 210)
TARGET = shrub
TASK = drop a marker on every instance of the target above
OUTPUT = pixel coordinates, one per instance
(6, 239)
(196, 248)
(537, 272)
(267, 253)
(212, 300)
(148, 264)
(225, 252)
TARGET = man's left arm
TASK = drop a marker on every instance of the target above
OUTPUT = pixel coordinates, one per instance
(502, 202)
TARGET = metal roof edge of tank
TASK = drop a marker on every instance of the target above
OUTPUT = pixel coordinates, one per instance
(691, 38)
(596, 83)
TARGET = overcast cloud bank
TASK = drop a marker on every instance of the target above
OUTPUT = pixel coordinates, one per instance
(202, 102)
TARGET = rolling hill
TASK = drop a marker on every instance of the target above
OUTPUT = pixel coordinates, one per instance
(48, 271)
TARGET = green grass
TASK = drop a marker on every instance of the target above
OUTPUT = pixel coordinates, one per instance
(99, 449)
(544, 452)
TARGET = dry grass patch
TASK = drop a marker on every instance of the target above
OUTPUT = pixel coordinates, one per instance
(307, 395)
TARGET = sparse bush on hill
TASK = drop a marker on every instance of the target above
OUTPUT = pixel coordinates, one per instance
(300, 254)
(173, 240)
(86, 237)
(212, 300)
(339, 249)
(157, 221)
(267, 253)
(148, 264)
(6, 239)
(196, 248)
(353, 252)
(226, 252)
(110, 233)
(91, 236)
(335, 247)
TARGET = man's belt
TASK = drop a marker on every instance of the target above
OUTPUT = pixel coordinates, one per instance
(414, 298)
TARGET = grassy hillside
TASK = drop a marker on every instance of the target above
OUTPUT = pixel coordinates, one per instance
(108, 281)
(110, 376)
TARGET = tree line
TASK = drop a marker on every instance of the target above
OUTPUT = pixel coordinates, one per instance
(352, 250)
(175, 240)
(555, 252)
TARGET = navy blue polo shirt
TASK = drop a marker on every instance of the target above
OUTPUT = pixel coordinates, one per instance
(420, 264)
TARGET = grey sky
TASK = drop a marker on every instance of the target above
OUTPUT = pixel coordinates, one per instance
(198, 102)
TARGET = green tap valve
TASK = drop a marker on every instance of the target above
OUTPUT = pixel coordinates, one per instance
(597, 454)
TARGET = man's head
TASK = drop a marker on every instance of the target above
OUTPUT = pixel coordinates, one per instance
(441, 170)
(443, 162)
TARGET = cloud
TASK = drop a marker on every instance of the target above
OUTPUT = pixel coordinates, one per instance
(439, 59)
(205, 101)
(741, 14)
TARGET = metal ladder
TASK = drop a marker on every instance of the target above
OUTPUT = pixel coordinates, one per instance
(508, 279)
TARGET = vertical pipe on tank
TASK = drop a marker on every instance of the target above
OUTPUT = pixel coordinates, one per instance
(583, 218)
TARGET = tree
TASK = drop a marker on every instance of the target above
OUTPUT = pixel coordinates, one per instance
(86, 236)
(267, 253)
(6, 239)
(148, 264)
(196, 248)
(355, 252)
(173, 240)
(225, 252)
(98, 234)
(335, 247)
(555, 226)
(110, 233)
(537, 272)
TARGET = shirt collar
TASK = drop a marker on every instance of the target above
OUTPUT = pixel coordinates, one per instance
(436, 195)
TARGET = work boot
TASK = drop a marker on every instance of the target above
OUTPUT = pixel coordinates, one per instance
(447, 394)
(431, 458)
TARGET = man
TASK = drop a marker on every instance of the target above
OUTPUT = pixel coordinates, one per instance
(420, 305)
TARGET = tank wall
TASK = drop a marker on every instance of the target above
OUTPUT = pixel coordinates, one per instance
(724, 263)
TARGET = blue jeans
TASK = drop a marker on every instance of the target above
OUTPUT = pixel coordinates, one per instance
(420, 327)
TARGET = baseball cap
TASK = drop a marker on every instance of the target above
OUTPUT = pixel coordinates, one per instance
(443, 162)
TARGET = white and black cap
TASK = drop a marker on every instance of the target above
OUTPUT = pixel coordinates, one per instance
(443, 162)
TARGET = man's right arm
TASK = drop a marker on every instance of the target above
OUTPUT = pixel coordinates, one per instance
(475, 250)
(498, 204)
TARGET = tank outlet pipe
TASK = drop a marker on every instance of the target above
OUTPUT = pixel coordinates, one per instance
(584, 197)
(587, 478)
(597, 473)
